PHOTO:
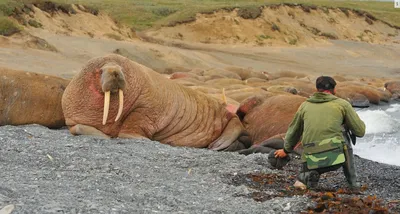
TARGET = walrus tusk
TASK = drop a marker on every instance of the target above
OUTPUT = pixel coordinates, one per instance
(224, 96)
(106, 106)
(384, 89)
(121, 104)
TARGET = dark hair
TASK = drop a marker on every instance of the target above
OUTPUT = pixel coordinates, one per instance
(325, 83)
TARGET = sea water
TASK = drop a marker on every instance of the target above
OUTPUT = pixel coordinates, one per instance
(381, 142)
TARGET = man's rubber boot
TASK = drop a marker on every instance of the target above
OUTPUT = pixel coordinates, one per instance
(313, 179)
(309, 178)
(350, 171)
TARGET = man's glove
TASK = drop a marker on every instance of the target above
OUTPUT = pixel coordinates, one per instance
(280, 153)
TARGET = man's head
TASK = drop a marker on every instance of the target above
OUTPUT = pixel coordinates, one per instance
(325, 83)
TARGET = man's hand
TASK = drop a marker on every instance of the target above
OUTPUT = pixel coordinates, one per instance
(280, 153)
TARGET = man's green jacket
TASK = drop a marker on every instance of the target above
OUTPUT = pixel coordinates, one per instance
(319, 118)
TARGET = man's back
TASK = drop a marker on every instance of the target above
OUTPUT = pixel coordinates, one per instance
(323, 115)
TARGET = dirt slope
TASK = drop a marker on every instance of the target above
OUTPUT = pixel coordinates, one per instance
(81, 23)
(76, 20)
(280, 25)
(38, 21)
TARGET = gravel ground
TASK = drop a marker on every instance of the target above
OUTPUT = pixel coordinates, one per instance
(51, 171)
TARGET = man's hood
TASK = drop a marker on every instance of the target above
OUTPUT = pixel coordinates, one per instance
(321, 97)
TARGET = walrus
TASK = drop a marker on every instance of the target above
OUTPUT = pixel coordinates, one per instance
(265, 116)
(393, 87)
(184, 75)
(113, 96)
(221, 72)
(354, 98)
(223, 82)
(303, 86)
(246, 73)
(188, 82)
(31, 98)
(243, 94)
(373, 95)
(291, 74)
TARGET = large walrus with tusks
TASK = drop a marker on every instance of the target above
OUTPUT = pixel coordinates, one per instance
(31, 98)
(113, 96)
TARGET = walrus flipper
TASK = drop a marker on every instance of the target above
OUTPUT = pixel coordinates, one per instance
(80, 129)
(229, 136)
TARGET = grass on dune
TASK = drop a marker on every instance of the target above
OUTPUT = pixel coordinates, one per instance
(144, 14)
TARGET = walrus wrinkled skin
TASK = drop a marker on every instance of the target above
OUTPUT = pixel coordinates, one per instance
(266, 116)
(115, 97)
(31, 98)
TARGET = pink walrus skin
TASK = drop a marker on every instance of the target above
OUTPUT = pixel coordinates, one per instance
(113, 96)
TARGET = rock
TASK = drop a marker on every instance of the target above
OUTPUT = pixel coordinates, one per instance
(7, 209)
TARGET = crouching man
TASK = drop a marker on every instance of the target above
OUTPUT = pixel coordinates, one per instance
(319, 123)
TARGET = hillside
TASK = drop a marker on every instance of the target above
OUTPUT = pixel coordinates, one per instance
(283, 24)
(273, 25)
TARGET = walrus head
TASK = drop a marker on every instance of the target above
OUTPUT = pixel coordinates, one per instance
(112, 82)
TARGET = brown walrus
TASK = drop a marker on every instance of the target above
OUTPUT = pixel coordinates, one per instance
(31, 98)
(113, 96)
(265, 116)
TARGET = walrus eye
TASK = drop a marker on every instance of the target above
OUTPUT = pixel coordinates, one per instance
(100, 72)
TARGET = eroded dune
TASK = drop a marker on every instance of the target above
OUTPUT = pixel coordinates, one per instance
(76, 20)
(280, 25)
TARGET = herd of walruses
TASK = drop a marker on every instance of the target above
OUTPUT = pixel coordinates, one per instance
(226, 109)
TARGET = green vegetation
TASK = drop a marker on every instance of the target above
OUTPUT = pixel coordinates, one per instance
(7, 27)
(34, 23)
(275, 27)
(329, 35)
(249, 12)
(314, 30)
(293, 41)
(7, 7)
(143, 14)
(262, 36)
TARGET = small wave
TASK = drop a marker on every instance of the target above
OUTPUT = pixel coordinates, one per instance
(393, 108)
(381, 142)
(380, 148)
(381, 121)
